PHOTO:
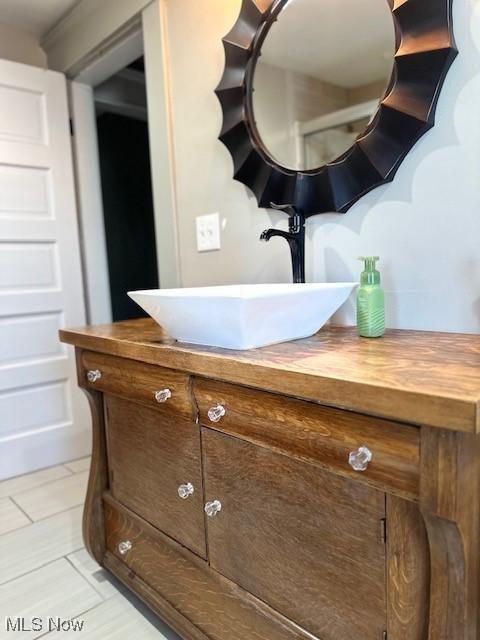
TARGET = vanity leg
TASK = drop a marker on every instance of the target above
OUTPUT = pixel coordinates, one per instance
(408, 571)
(449, 501)
(93, 524)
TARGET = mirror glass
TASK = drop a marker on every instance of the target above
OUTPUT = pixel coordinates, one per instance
(324, 67)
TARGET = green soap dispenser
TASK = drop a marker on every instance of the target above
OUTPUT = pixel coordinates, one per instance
(370, 301)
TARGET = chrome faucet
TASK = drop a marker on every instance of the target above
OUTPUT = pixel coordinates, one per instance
(295, 238)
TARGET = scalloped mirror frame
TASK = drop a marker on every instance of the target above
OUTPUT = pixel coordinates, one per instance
(425, 50)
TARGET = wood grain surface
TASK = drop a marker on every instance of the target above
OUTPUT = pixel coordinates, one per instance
(138, 381)
(297, 529)
(450, 504)
(149, 457)
(408, 571)
(216, 608)
(93, 526)
(411, 376)
(320, 435)
(302, 540)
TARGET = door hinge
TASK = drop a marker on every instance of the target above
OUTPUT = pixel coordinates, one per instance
(383, 530)
(72, 130)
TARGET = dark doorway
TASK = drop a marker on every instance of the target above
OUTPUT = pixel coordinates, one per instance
(128, 209)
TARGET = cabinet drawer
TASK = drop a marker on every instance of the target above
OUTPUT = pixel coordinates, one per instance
(216, 607)
(151, 458)
(138, 381)
(303, 540)
(317, 434)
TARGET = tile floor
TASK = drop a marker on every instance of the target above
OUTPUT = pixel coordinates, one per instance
(45, 572)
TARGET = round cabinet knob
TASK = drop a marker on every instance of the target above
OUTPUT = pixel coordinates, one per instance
(360, 459)
(94, 375)
(212, 508)
(186, 490)
(124, 547)
(163, 395)
(215, 414)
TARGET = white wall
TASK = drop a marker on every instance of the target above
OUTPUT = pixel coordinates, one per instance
(203, 167)
(19, 46)
(425, 225)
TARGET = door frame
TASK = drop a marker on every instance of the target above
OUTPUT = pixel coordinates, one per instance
(145, 32)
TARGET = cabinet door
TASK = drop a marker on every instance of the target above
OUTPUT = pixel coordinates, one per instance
(150, 456)
(305, 541)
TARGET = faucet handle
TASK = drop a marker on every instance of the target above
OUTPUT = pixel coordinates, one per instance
(296, 219)
(290, 209)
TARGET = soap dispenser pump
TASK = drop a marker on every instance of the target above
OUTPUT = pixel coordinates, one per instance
(370, 301)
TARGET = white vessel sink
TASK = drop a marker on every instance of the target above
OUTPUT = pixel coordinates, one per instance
(243, 316)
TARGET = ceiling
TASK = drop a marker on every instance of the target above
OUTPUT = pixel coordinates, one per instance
(349, 43)
(35, 16)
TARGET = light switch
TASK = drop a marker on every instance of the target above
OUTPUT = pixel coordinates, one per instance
(208, 232)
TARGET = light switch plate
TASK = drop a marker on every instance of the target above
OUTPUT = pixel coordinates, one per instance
(208, 232)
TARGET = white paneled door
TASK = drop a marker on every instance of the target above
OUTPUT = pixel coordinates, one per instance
(43, 417)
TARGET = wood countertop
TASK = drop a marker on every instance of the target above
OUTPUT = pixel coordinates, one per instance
(418, 377)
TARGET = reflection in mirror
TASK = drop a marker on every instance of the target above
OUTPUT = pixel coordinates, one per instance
(323, 69)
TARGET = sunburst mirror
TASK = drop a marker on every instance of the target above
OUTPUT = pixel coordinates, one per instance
(323, 99)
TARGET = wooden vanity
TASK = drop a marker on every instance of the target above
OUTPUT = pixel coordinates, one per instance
(326, 488)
